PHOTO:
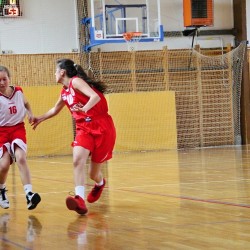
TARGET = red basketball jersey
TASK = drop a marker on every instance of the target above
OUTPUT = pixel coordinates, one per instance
(71, 97)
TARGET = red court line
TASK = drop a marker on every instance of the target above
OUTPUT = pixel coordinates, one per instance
(169, 195)
(192, 199)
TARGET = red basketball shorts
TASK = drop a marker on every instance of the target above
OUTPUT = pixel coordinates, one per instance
(97, 136)
(9, 136)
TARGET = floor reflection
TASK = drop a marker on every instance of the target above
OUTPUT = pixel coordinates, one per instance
(34, 228)
(77, 230)
(90, 230)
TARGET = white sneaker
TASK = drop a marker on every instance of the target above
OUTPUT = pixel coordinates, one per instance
(4, 203)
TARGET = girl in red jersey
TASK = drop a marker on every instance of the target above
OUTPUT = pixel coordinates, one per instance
(95, 131)
(13, 109)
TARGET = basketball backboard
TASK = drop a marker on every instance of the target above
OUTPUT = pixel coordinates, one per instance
(111, 18)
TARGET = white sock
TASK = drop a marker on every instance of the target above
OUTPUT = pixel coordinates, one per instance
(100, 183)
(27, 188)
(2, 186)
(80, 190)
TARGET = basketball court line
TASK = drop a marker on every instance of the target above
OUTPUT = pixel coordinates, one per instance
(213, 223)
(14, 244)
(191, 198)
(181, 197)
(52, 162)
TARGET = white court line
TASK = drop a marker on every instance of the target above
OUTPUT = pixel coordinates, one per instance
(52, 162)
(13, 195)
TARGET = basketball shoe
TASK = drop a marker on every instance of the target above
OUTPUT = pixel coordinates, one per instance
(4, 203)
(77, 204)
(32, 200)
(96, 192)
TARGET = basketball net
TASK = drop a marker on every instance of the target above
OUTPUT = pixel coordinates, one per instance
(132, 39)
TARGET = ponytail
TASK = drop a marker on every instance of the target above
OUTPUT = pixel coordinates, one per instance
(73, 69)
(100, 86)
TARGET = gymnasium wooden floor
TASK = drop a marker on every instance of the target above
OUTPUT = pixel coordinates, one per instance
(187, 199)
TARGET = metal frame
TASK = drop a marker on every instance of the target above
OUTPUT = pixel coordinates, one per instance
(118, 38)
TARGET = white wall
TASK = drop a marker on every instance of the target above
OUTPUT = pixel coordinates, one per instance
(47, 26)
(51, 26)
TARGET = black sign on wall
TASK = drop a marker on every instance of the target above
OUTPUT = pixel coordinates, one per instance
(10, 8)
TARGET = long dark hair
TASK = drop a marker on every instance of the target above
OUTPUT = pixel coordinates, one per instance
(73, 69)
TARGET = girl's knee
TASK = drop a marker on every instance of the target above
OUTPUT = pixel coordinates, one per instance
(21, 160)
(4, 167)
(79, 162)
(5, 162)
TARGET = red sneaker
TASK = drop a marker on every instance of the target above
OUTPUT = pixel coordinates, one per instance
(96, 192)
(77, 204)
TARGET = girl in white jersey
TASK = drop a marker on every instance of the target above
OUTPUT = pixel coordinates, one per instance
(13, 109)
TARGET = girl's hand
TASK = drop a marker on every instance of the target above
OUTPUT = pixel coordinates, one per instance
(30, 118)
(35, 122)
(77, 107)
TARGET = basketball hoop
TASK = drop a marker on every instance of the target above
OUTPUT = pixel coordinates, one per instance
(132, 39)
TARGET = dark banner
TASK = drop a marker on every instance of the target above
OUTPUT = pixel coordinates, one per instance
(10, 8)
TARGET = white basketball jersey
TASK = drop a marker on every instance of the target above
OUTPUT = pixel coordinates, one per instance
(12, 109)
